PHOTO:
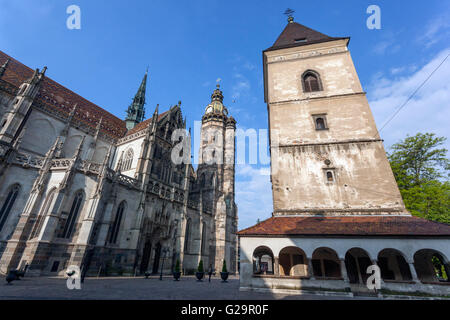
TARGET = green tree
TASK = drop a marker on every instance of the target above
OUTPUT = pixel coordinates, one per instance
(421, 169)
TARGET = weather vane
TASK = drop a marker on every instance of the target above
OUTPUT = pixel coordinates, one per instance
(289, 12)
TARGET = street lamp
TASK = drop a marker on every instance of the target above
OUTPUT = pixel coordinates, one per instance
(165, 251)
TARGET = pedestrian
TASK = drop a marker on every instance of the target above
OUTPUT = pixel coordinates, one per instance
(210, 271)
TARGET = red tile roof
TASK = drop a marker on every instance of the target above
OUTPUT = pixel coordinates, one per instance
(348, 226)
(62, 100)
(296, 34)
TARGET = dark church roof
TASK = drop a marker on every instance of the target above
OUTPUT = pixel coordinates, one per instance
(62, 100)
(347, 226)
(296, 34)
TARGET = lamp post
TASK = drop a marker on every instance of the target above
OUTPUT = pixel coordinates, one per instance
(164, 253)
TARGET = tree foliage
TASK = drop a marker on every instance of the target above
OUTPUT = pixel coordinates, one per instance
(421, 168)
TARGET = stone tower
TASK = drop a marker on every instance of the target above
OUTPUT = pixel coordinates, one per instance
(327, 156)
(136, 111)
(216, 180)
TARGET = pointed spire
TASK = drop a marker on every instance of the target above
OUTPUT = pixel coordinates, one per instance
(136, 111)
(79, 148)
(65, 131)
(3, 68)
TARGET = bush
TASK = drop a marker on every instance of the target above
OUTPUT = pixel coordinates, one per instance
(224, 267)
(200, 266)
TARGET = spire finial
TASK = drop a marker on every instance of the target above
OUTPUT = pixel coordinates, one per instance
(289, 12)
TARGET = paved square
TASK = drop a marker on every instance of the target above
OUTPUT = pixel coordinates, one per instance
(188, 288)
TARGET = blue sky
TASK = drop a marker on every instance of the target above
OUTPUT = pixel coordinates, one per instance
(187, 45)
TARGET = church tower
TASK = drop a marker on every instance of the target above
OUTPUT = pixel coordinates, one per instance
(327, 156)
(216, 180)
(136, 111)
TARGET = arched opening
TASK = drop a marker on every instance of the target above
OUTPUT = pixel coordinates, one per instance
(5, 209)
(293, 262)
(326, 263)
(263, 261)
(116, 225)
(431, 266)
(311, 81)
(393, 266)
(356, 262)
(73, 216)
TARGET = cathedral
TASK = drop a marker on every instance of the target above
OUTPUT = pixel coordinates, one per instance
(79, 186)
(337, 210)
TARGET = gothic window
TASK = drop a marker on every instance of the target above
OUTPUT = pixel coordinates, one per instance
(320, 121)
(8, 204)
(203, 248)
(73, 216)
(186, 236)
(311, 82)
(42, 214)
(202, 180)
(128, 161)
(116, 225)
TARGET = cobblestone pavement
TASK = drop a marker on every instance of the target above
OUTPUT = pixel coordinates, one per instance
(138, 288)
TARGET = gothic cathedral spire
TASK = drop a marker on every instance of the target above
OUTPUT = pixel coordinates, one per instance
(136, 111)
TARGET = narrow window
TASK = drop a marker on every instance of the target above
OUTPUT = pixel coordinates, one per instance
(330, 176)
(8, 204)
(203, 250)
(44, 212)
(186, 236)
(116, 225)
(320, 124)
(320, 121)
(73, 216)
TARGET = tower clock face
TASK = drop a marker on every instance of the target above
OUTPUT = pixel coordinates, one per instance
(209, 109)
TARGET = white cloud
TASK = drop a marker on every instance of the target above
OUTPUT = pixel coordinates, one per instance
(428, 111)
(436, 30)
(253, 195)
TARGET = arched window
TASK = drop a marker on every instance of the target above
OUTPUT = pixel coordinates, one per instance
(128, 161)
(42, 214)
(186, 236)
(311, 82)
(203, 248)
(320, 124)
(116, 225)
(8, 204)
(73, 216)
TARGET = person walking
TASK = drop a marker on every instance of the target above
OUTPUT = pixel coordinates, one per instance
(210, 271)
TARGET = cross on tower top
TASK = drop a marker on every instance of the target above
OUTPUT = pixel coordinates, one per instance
(289, 12)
